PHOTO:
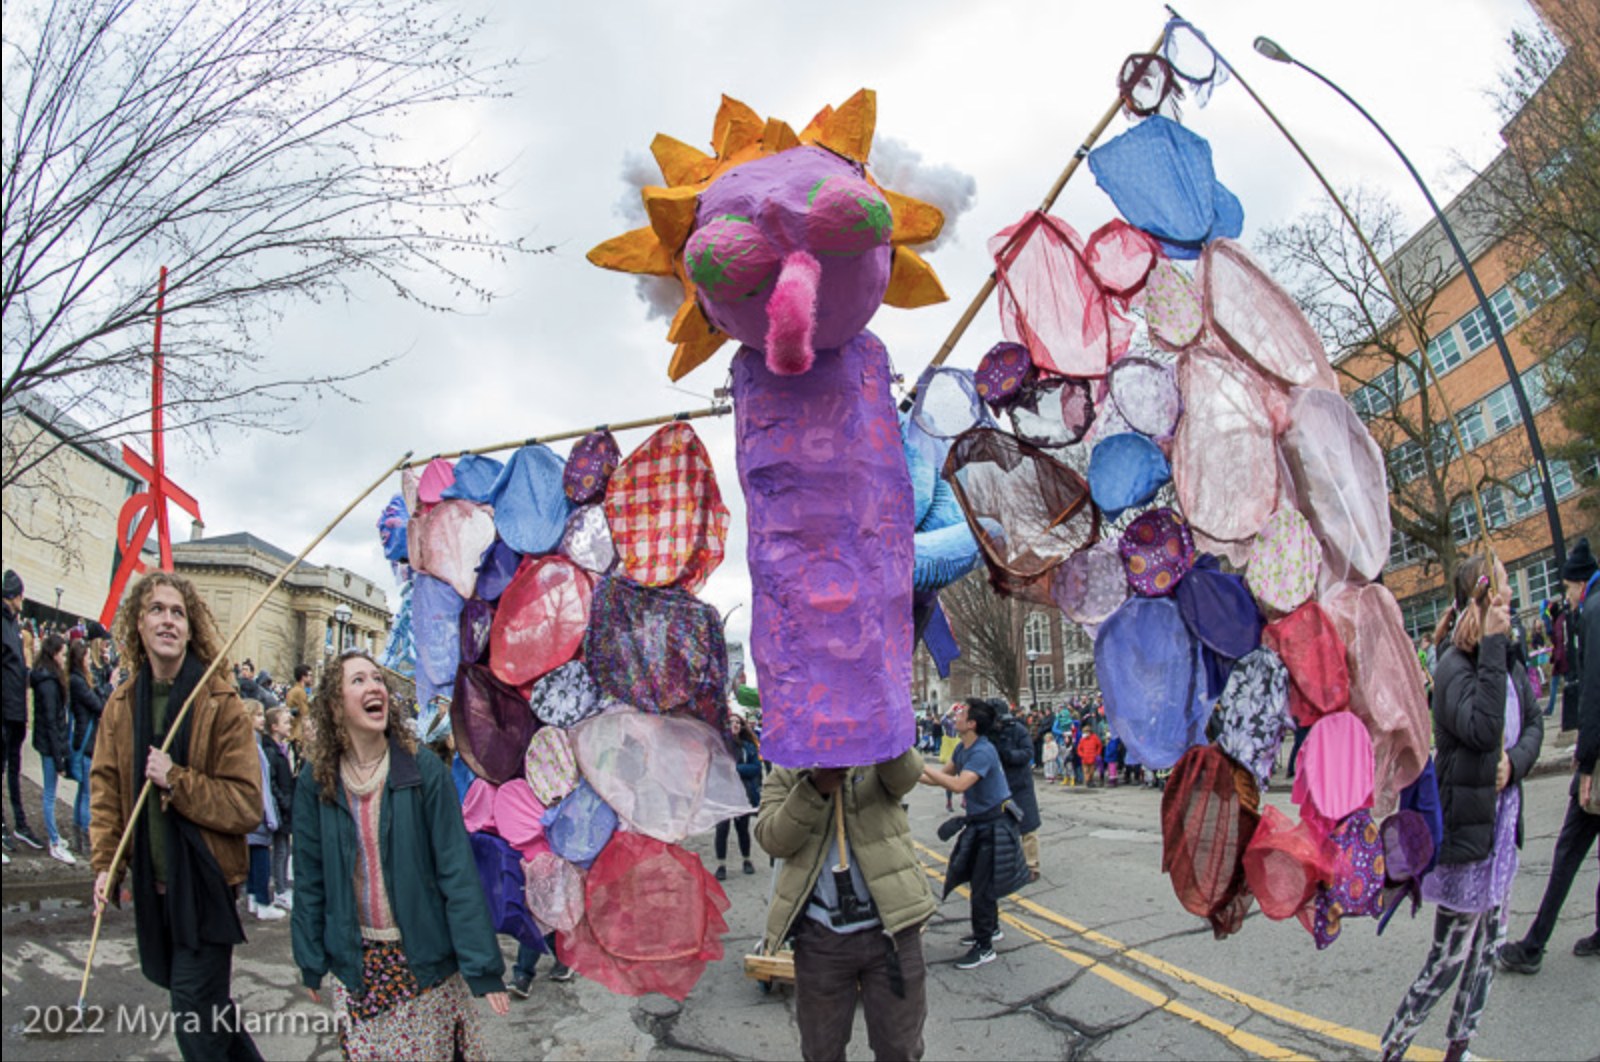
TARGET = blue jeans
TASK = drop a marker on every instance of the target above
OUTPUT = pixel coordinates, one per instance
(260, 881)
(1555, 693)
(528, 958)
(50, 777)
(80, 808)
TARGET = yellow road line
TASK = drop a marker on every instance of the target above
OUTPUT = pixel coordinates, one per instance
(1265, 1007)
(1255, 1045)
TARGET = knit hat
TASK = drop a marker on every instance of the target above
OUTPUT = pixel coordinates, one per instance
(1579, 567)
(12, 585)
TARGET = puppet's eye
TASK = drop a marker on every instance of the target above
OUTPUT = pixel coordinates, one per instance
(846, 215)
(728, 259)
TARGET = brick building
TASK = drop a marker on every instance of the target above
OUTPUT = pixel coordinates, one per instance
(1473, 379)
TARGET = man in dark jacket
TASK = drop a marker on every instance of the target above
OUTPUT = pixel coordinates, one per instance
(14, 689)
(1580, 829)
(1015, 746)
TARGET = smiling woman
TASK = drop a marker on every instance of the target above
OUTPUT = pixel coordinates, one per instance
(413, 901)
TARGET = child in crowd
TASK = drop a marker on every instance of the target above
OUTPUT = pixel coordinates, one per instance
(1051, 755)
(259, 884)
(280, 761)
(1089, 749)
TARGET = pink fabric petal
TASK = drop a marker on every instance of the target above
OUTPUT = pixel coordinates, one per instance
(1259, 321)
(1223, 464)
(435, 478)
(1339, 475)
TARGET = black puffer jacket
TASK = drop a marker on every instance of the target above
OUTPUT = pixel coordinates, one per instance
(13, 668)
(1015, 746)
(87, 706)
(1469, 706)
(992, 836)
(52, 726)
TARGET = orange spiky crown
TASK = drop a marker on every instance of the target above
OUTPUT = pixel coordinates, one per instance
(739, 135)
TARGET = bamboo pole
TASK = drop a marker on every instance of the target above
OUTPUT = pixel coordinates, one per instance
(719, 410)
(205, 678)
(987, 287)
(1408, 313)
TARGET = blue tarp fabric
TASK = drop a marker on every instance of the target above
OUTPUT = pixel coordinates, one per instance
(530, 506)
(1152, 679)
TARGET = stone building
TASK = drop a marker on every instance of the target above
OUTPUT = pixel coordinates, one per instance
(316, 611)
(60, 519)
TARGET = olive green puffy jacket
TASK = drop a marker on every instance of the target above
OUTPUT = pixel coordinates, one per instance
(796, 823)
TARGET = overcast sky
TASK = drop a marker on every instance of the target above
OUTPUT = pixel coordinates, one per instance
(998, 92)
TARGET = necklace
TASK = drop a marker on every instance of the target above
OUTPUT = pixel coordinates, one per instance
(362, 779)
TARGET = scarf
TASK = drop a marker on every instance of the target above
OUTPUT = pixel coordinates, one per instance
(199, 906)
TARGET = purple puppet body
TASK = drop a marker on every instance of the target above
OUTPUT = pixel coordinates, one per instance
(830, 552)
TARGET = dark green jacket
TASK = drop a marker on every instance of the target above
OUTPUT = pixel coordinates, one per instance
(428, 872)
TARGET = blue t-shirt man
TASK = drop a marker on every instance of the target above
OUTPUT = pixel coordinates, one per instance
(990, 790)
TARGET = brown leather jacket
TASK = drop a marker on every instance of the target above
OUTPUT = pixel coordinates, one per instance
(219, 791)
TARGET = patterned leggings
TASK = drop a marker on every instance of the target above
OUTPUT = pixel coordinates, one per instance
(1463, 944)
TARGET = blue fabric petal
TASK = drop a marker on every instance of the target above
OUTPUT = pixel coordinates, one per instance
(530, 506)
(1152, 677)
(1126, 470)
(1160, 177)
(476, 477)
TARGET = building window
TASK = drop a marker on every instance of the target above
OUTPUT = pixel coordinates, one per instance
(1538, 284)
(1543, 580)
(1464, 521)
(1469, 422)
(1080, 677)
(1074, 639)
(1406, 463)
(1552, 170)
(1505, 308)
(1500, 410)
(1041, 679)
(1475, 330)
(1526, 497)
(1562, 480)
(1036, 633)
(1421, 614)
(1404, 550)
(1535, 386)
(1444, 353)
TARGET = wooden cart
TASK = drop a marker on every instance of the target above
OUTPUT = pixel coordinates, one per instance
(767, 970)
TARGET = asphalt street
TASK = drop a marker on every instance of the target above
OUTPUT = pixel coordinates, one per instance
(1098, 962)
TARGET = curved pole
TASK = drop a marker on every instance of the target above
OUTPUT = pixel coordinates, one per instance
(1551, 506)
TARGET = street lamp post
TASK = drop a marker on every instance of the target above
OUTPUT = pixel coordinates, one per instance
(59, 591)
(1033, 680)
(1272, 50)
(343, 615)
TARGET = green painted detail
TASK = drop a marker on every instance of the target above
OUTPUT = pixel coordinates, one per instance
(733, 217)
(876, 215)
(707, 272)
(811, 196)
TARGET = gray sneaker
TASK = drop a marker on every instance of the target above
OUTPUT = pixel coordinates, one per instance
(561, 972)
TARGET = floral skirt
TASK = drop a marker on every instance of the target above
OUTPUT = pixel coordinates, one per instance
(395, 1018)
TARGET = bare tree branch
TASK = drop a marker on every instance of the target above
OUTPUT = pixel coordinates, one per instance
(266, 151)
